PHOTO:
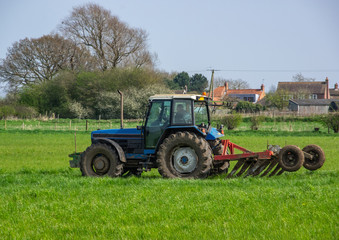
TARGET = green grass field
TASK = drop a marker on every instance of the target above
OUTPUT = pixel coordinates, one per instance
(42, 198)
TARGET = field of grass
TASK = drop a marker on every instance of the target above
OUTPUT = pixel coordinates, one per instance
(42, 198)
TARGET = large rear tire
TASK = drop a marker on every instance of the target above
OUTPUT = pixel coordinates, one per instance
(100, 160)
(318, 157)
(291, 158)
(184, 155)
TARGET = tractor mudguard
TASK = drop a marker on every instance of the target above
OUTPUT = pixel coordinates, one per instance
(114, 144)
(213, 134)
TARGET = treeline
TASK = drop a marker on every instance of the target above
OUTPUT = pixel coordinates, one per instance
(93, 94)
(76, 72)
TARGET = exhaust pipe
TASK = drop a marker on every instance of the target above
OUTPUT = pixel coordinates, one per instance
(121, 109)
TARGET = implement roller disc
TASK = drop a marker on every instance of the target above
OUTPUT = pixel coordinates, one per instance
(291, 158)
(318, 157)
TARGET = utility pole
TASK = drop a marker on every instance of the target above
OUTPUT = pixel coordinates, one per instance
(211, 90)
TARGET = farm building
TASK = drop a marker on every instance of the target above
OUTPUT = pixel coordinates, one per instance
(249, 95)
(305, 90)
(334, 92)
(311, 106)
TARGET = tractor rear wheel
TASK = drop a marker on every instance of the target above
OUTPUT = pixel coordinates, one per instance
(100, 160)
(184, 155)
(318, 157)
(219, 167)
(291, 158)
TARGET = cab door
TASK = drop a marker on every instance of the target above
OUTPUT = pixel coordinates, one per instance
(158, 120)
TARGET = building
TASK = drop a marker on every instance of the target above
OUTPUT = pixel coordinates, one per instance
(250, 95)
(305, 90)
(334, 92)
(311, 106)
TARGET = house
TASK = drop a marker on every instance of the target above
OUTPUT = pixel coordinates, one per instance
(305, 90)
(250, 95)
(311, 106)
(334, 92)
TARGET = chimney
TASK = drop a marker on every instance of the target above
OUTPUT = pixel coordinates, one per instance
(262, 87)
(336, 86)
(327, 93)
(226, 86)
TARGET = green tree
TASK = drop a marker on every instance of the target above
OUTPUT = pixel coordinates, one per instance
(278, 99)
(182, 79)
(198, 82)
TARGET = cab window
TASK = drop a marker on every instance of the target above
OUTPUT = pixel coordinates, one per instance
(182, 112)
(157, 122)
(200, 113)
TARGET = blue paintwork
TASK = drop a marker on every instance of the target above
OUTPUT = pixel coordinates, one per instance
(136, 156)
(149, 151)
(213, 134)
(117, 131)
(187, 127)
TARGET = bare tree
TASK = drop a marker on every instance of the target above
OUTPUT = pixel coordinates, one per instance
(232, 83)
(112, 42)
(38, 60)
(300, 78)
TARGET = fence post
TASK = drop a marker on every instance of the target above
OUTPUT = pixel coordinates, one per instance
(70, 124)
(23, 125)
(5, 124)
(86, 125)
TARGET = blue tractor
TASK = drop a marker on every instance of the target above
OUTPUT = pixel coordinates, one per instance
(176, 137)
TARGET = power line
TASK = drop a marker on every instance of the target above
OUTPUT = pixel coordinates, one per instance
(282, 70)
(270, 70)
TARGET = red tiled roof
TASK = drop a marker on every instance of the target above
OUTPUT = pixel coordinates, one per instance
(219, 92)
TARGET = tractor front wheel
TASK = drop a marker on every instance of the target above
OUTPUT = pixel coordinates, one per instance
(100, 160)
(318, 157)
(184, 155)
(291, 158)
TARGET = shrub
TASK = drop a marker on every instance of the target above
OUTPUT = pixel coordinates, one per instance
(248, 107)
(6, 111)
(232, 121)
(25, 112)
(256, 122)
(331, 120)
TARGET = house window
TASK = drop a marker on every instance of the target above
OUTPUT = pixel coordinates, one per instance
(314, 96)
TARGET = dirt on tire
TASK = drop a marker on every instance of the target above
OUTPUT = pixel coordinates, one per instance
(291, 158)
(318, 157)
(189, 140)
(100, 160)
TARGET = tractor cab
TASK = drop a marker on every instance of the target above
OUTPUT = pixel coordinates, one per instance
(167, 113)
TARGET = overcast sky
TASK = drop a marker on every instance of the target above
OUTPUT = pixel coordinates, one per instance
(257, 41)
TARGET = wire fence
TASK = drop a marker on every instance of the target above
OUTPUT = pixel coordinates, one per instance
(65, 124)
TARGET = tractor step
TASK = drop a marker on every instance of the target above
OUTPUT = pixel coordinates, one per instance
(75, 163)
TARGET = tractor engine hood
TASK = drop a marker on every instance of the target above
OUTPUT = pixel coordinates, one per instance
(213, 134)
(117, 133)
